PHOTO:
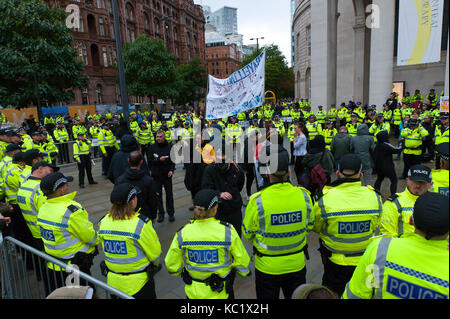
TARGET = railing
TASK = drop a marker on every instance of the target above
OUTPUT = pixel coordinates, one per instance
(25, 274)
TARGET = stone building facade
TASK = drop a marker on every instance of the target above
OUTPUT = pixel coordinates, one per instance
(223, 59)
(338, 58)
(179, 23)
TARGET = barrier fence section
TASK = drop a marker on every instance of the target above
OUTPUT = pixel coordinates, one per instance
(65, 152)
(25, 275)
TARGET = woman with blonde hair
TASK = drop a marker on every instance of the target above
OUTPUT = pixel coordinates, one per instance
(131, 245)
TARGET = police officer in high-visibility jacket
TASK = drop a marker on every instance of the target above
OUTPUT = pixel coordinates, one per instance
(62, 137)
(413, 267)
(207, 253)
(441, 176)
(277, 221)
(413, 136)
(131, 245)
(66, 231)
(398, 208)
(378, 126)
(108, 145)
(314, 127)
(441, 134)
(30, 199)
(346, 217)
(82, 155)
(353, 125)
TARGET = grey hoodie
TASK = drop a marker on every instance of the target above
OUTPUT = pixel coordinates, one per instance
(363, 145)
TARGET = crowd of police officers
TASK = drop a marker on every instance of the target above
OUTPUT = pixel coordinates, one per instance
(405, 236)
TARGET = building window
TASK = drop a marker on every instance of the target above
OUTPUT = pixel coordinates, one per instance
(105, 57)
(82, 52)
(81, 28)
(84, 96)
(99, 94)
(100, 4)
(129, 12)
(308, 40)
(146, 22)
(111, 30)
(101, 26)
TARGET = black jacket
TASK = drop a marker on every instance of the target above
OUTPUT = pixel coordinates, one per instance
(231, 181)
(384, 164)
(147, 200)
(119, 162)
(159, 169)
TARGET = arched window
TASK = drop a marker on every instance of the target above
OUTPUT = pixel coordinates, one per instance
(82, 52)
(95, 55)
(146, 22)
(157, 26)
(129, 12)
(99, 94)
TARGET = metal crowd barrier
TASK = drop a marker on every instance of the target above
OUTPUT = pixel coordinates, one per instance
(25, 275)
(65, 152)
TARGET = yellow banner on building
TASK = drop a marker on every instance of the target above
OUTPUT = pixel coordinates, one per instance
(419, 31)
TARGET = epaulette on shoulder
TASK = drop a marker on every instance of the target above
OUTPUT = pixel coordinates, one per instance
(304, 189)
(373, 189)
(73, 208)
(226, 224)
(392, 197)
(144, 218)
(190, 222)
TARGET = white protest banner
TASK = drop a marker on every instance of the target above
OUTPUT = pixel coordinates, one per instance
(242, 91)
(419, 31)
(444, 104)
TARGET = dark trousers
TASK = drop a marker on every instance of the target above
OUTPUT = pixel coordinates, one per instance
(336, 276)
(268, 286)
(428, 145)
(438, 161)
(250, 177)
(85, 166)
(147, 292)
(392, 178)
(167, 184)
(408, 161)
(298, 168)
(292, 153)
(107, 159)
(63, 152)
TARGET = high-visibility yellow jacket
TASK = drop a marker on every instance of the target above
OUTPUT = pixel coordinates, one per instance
(440, 181)
(290, 133)
(25, 174)
(397, 211)
(277, 221)
(78, 129)
(134, 126)
(233, 133)
(332, 114)
(352, 128)
(387, 115)
(314, 129)
(321, 116)
(81, 148)
(30, 199)
(375, 129)
(397, 116)
(441, 135)
(130, 246)
(106, 138)
(343, 113)
(65, 228)
(346, 217)
(61, 135)
(156, 125)
(280, 128)
(401, 268)
(94, 131)
(413, 140)
(11, 182)
(145, 137)
(329, 135)
(204, 247)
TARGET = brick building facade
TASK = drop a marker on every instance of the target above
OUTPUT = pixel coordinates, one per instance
(222, 60)
(179, 23)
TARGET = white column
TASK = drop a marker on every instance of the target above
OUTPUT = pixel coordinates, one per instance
(382, 52)
(446, 71)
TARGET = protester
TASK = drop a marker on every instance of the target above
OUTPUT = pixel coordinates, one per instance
(363, 145)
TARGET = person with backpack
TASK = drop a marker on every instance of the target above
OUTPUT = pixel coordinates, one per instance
(318, 165)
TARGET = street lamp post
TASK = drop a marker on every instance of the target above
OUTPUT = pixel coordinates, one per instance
(257, 41)
(123, 84)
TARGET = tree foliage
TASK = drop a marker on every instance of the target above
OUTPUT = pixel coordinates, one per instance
(35, 38)
(150, 69)
(279, 77)
(192, 81)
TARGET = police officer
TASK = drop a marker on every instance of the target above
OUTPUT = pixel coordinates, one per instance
(398, 208)
(30, 199)
(441, 176)
(62, 137)
(353, 125)
(108, 145)
(313, 126)
(207, 253)
(378, 126)
(277, 221)
(65, 228)
(131, 245)
(413, 267)
(82, 155)
(346, 217)
(441, 134)
(413, 135)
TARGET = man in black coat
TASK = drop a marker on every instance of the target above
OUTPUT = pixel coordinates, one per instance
(147, 199)
(227, 178)
(119, 162)
(162, 169)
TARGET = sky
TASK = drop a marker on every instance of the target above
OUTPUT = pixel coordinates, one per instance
(270, 19)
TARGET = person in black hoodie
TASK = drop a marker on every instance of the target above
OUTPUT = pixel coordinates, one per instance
(162, 169)
(384, 164)
(119, 162)
(136, 176)
(227, 178)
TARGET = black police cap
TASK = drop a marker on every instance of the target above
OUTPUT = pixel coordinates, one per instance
(443, 150)
(12, 147)
(123, 193)
(207, 198)
(51, 182)
(44, 164)
(431, 214)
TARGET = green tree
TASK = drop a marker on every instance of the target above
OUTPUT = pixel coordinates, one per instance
(35, 38)
(192, 81)
(150, 68)
(279, 77)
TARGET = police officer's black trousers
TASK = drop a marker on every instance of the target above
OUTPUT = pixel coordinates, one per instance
(408, 161)
(167, 184)
(336, 276)
(268, 286)
(107, 159)
(146, 292)
(85, 166)
(63, 152)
